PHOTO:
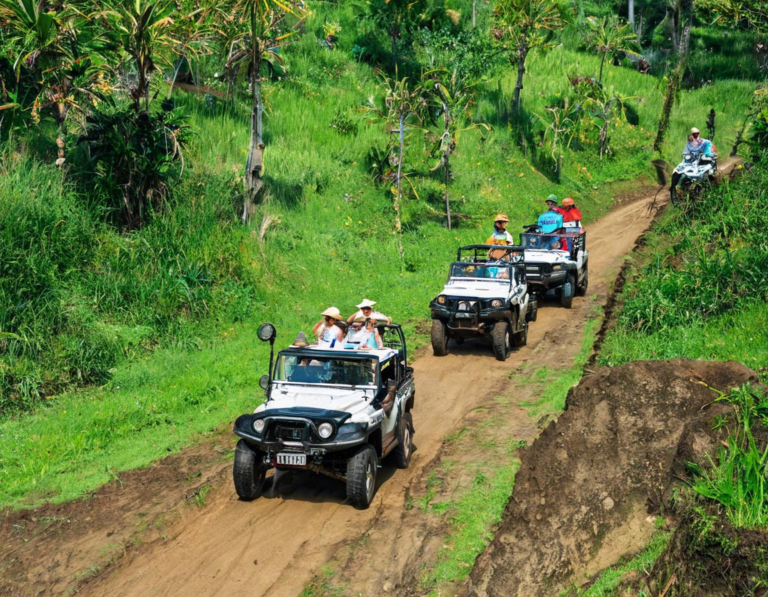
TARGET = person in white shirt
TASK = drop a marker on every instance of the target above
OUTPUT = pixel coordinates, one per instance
(366, 311)
(329, 335)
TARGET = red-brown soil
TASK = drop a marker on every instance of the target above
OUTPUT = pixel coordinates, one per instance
(589, 486)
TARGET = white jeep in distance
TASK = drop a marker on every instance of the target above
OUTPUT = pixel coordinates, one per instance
(338, 412)
(486, 295)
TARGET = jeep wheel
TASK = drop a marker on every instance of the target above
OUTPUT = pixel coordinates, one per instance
(566, 292)
(500, 338)
(439, 338)
(405, 441)
(532, 313)
(361, 477)
(248, 471)
(581, 289)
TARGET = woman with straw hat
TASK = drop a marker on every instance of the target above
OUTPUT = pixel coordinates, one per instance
(366, 310)
(328, 333)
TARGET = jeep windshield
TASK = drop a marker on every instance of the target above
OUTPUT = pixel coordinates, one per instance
(486, 271)
(325, 370)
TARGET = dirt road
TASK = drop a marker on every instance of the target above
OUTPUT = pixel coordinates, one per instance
(275, 545)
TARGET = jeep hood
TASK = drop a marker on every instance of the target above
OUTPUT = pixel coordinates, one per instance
(476, 289)
(312, 396)
(553, 256)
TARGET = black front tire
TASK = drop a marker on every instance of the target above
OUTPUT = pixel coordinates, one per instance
(439, 338)
(404, 447)
(361, 477)
(567, 291)
(581, 289)
(500, 338)
(248, 472)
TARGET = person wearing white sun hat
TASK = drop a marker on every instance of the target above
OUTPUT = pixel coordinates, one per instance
(329, 335)
(366, 311)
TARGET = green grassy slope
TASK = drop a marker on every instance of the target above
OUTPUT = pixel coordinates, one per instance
(161, 321)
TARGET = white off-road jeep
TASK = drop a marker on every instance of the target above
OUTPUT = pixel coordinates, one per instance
(556, 263)
(486, 295)
(338, 412)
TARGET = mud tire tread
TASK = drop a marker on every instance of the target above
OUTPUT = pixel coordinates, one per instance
(357, 466)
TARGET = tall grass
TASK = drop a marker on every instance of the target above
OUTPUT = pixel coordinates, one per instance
(738, 476)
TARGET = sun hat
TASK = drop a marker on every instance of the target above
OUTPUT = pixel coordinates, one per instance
(552, 198)
(332, 312)
(695, 130)
(366, 303)
(501, 218)
(567, 201)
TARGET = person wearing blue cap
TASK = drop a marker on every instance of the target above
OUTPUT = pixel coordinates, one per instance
(551, 219)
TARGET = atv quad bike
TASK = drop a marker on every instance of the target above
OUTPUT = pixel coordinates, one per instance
(337, 412)
(692, 176)
(486, 295)
(556, 263)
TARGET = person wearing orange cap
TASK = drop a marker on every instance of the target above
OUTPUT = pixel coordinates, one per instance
(569, 211)
(500, 235)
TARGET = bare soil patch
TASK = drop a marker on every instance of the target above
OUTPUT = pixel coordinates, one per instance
(589, 486)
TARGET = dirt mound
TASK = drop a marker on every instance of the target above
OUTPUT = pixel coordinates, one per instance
(586, 487)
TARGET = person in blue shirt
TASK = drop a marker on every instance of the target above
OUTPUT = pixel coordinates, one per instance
(551, 219)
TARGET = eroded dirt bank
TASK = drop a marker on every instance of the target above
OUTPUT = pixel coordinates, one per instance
(588, 487)
(151, 534)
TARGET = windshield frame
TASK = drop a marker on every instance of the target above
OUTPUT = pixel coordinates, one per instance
(324, 358)
(510, 267)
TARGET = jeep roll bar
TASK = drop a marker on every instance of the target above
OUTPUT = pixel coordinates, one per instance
(475, 248)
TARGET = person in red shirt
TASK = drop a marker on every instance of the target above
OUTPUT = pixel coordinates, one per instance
(569, 211)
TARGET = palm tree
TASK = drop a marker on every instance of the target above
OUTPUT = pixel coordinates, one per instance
(609, 36)
(525, 24)
(142, 29)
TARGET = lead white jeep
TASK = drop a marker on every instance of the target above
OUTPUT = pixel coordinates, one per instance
(486, 295)
(338, 412)
(557, 263)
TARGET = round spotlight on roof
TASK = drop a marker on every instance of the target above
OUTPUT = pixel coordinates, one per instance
(266, 332)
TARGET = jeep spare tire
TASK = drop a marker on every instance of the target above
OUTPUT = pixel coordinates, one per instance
(361, 477)
(439, 338)
(567, 291)
(500, 338)
(248, 471)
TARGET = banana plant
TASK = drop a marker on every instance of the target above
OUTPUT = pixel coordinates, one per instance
(402, 110)
(451, 99)
(559, 129)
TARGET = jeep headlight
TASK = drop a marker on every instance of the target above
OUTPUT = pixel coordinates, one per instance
(557, 267)
(496, 303)
(325, 430)
(441, 299)
(258, 425)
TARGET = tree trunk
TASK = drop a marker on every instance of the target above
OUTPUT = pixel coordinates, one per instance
(602, 62)
(176, 70)
(254, 165)
(474, 19)
(676, 76)
(447, 158)
(631, 14)
(522, 53)
(398, 197)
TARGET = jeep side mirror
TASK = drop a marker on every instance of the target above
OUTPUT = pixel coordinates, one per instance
(264, 382)
(266, 332)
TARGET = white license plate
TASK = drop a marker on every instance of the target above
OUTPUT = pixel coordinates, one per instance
(291, 459)
(465, 315)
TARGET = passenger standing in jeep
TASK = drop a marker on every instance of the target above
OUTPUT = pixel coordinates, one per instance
(328, 333)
